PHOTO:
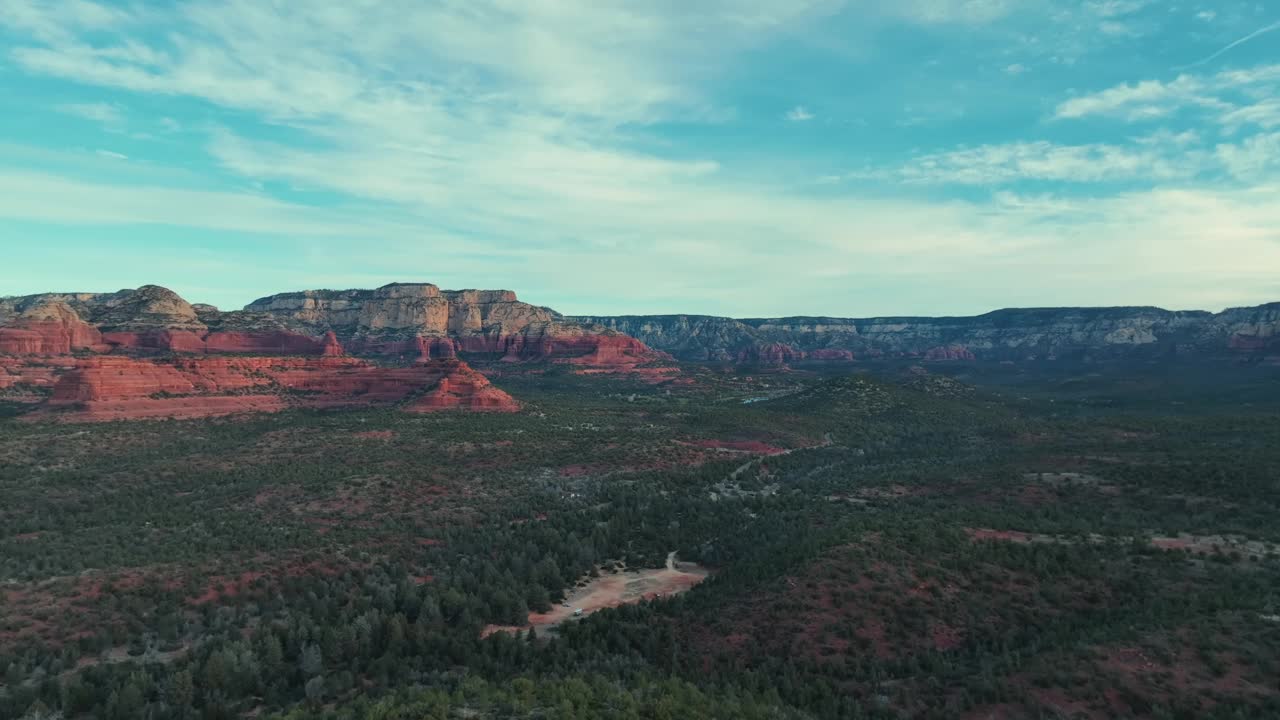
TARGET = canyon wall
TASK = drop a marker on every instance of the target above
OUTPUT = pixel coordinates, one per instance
(149, 353)
(401, 321)
(1017, 335)
(488, 324)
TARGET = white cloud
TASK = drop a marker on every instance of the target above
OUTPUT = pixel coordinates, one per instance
(799, 114)
(613, 60)
(1171, 247)
(1232, 96)
(42, 197)
(1169, 139)
(105, 113)
(1145, 100)
(1253, 158)
(949, 11)
(1015, 69)
(1045, 161)
(1117, 29)
(506, 138)
(61, 21)
(112, 154)
(1116, 8)
(1265, 114)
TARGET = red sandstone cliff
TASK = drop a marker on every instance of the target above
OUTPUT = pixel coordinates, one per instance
(480, 324)
(50, 328)
(124, 388)
(394, 321)
(149, 353)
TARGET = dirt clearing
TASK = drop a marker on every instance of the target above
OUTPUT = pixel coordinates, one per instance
(623, 588)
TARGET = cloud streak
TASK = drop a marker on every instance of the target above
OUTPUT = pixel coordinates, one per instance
(1232, 46)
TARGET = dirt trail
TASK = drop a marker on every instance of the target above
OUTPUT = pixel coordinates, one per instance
(623, 588)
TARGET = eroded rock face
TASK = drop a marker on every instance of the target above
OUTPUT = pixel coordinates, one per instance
(467, 390)
(1082, 333)
(492, 324)
(30, 379)
(402, 308)
(126, 388)
(1253, 330)
(387, 322)
(949, 352)
(769, 355)
(147, 353)
(49, 328)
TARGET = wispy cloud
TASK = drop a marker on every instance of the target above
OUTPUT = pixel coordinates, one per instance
(1226, 94)
(105, 113)
(1116, 8)
(522, 142)
(1045, 161)
(112, 154)
(799, 114)
(39, 196)
(1253, 158)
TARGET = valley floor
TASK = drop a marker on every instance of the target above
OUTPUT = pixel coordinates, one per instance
(966, 540)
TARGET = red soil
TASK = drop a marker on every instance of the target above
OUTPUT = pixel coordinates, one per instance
(745, 446)
(376, 435)
(1015, 536)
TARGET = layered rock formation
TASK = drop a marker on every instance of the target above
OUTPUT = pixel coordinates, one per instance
(149, 353)
(149, 319)
(1078, 333)
(402, 319)
(125, 388)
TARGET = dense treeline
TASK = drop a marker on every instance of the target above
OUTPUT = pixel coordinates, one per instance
(360, 572)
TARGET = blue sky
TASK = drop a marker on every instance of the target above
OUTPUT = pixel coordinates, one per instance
(841, 157)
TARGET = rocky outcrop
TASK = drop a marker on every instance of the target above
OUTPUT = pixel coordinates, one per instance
(147, 353)
(401, 321)
(1055, 333)
(150, 307)
(30, 379)
(769, 354)
(702, 338)
(126, 388)
(480, 324)
(48, 328)
(950, 352)
(150, 319)
(471, 391)
(1251, 330)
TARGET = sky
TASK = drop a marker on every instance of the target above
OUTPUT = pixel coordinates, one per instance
(731, 157)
